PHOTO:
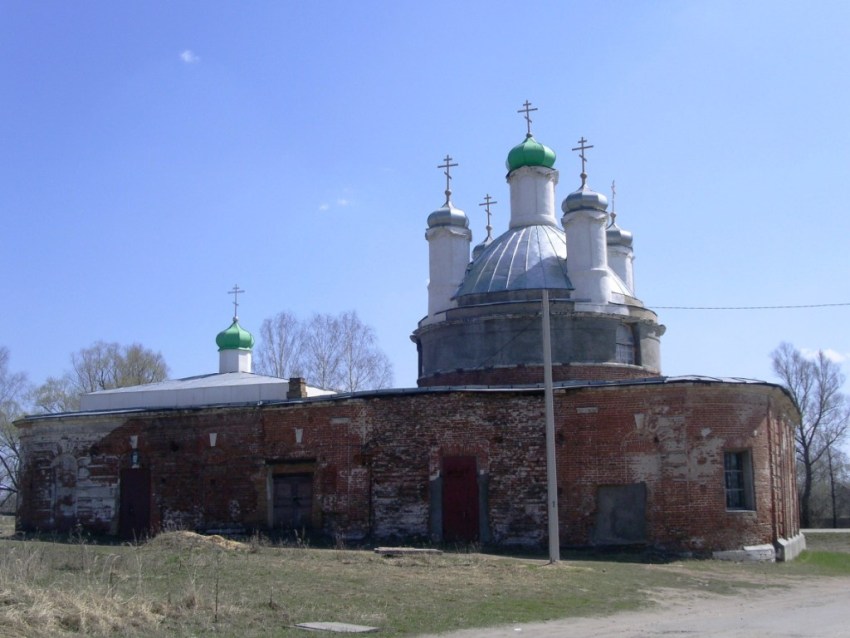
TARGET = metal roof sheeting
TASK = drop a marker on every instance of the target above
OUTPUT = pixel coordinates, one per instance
(524, 258)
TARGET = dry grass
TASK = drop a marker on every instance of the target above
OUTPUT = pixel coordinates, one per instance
(182, 584)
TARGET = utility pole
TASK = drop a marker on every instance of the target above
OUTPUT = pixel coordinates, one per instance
(551, 470)
(832, 486)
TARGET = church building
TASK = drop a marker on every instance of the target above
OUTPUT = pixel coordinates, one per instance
(682, 464)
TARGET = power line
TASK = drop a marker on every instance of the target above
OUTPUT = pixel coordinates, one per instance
(786, 307)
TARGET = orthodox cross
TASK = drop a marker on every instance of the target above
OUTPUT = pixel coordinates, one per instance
(448, 165)
(613, 202)
(235, 292)
(582, 148)
(526, 108)
(486, 203)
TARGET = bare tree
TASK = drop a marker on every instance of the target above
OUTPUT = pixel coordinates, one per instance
(101, 366)
(363, 365)
(335, 352)
(815, 385)
(104, 366)
(834, 461)
(279, 352)
(137, 365)
(323, 352)
(55, 395)
(13, 388)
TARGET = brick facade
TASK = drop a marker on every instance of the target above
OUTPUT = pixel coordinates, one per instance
(374, 464)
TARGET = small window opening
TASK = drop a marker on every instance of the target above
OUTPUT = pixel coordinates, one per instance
(738, 471)
(626, 352)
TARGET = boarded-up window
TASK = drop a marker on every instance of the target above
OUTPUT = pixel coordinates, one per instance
(620, 514)
(626, 351)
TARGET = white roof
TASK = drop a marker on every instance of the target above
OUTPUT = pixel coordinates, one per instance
(208, 389)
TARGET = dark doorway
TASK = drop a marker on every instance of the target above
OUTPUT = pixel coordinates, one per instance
(460, 499)
(293, 501)
(134, 519)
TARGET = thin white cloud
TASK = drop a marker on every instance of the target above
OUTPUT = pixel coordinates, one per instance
(338, 202)
(829, 353)
(188, 56)
(834, 355)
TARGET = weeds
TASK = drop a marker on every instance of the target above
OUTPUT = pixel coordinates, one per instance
(183, 584)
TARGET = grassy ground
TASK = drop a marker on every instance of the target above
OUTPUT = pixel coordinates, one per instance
(180, 584)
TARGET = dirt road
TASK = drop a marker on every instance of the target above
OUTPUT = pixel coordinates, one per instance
(811, 608)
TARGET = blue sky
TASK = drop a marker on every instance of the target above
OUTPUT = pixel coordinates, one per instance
(153, 154)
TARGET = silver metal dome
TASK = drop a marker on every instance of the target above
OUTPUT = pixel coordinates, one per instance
(584, 198)
(616, 236)
(524, 258)
(448, 215)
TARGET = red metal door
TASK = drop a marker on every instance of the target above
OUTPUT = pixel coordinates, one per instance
(460, 499)
(134, 519)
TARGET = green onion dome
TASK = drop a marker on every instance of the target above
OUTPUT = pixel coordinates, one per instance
(234, 338)
(530, 153)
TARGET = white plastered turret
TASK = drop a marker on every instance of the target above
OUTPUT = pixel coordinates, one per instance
(533, 196)
(584, 220)
(234, 361)
(449, 238)
(621, 255)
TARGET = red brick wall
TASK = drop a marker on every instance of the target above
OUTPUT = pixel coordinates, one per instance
(374, 460)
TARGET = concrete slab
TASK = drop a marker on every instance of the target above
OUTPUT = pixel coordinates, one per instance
(750, 553)
(336, 627)
(790, 548)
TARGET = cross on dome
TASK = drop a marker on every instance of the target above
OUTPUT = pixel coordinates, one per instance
(526, 108)
(582, 147)
(486, 203)
(235, 292)
(447, 166)
(613, 213)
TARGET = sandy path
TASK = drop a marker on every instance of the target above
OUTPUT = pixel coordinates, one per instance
(813, 608)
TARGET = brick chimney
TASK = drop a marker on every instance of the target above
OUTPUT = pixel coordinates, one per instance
(297, 388)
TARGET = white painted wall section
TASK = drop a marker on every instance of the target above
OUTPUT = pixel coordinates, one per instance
(234, 361)
(533, 196)
(587, 255)
(448, 257)
(621, 261)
